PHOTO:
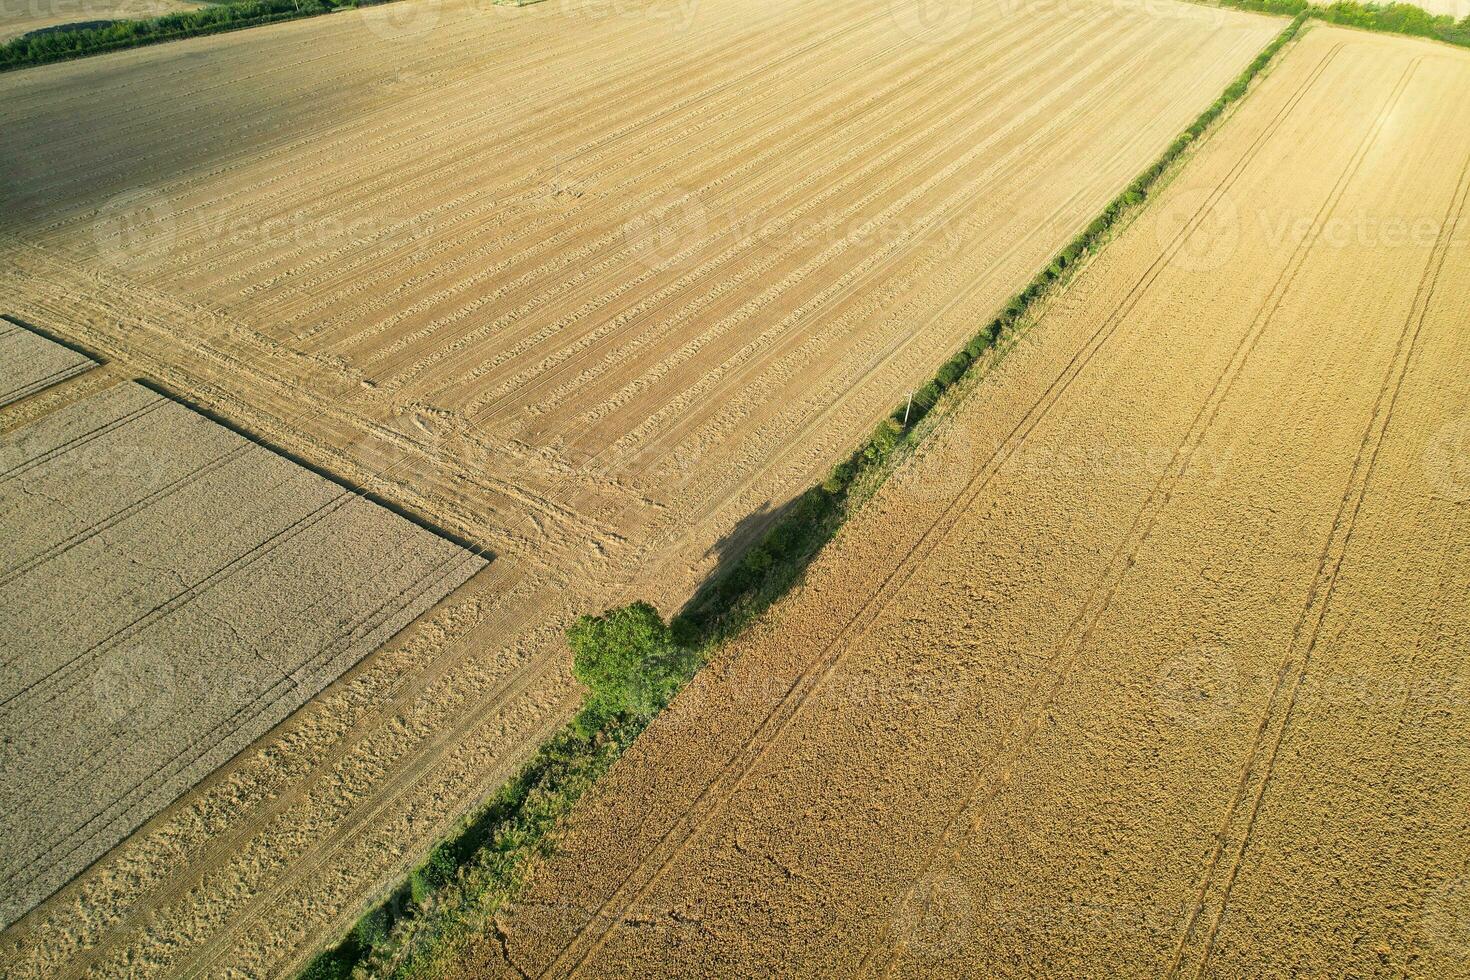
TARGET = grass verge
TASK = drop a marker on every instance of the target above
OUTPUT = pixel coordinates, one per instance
(455, 893)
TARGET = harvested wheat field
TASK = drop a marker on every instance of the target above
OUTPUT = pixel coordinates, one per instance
(173, 590)
(593, 288)
(1154, 662)
(30, 363)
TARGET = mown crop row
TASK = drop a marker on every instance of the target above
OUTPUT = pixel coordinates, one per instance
(633, 663)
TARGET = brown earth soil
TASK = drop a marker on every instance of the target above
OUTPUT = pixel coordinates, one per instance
(596, 287)
(1156, 661)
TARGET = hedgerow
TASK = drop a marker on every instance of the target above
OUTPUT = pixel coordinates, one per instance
(632, 663)
(1389, 18)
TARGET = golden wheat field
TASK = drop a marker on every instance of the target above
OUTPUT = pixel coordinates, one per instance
(593, 289)
(1153, 661)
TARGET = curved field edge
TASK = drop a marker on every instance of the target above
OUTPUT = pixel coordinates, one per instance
(455, 892)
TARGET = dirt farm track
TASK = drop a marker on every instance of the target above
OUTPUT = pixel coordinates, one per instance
(588, 287)
(1154, 662)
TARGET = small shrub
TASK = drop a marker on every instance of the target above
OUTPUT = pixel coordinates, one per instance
(953, 370)
(883, 439)
(372, 929)
(628, 660)
(839, 478)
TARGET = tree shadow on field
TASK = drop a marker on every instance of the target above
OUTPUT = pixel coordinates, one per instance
(756, 562)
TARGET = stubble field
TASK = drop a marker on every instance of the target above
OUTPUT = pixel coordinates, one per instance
(1154, 662)
(172, 591)
(592, 288)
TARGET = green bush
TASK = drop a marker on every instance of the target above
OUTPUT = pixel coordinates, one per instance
(840, 477)
(953, 369)
(628, 660)
(1391, 18)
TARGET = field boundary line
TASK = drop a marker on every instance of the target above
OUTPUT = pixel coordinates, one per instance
(569, 962)
(1080, 630)
(438, 746)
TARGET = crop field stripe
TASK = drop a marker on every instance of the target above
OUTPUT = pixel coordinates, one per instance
(629, 327)
(242, 715)
(966, 196)
(337, 644)
(864, 277)
(432, 167)
(37, 384)
(484, 407)
(348, 634)
(25, 466)
(315, 144)
(966, 821)
(8, 575)
(192, 592)
(912, 194)
(203, 958)
(220, 848)
(199, 587)
(669, 433)
(1294, 667)
(610, 915)
(432, 170)
(895, 347)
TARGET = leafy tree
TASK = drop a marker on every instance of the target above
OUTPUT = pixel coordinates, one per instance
(628, 660)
